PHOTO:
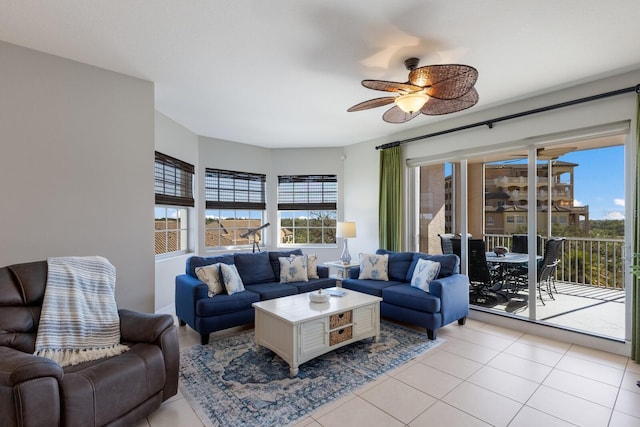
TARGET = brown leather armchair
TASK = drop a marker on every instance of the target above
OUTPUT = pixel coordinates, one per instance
(113, 391)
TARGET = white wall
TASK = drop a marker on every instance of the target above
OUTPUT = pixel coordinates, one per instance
(177, 141)
(362, 180)
(76, 167)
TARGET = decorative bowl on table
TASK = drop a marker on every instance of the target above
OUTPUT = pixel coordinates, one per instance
(318, 296)
(500, 250)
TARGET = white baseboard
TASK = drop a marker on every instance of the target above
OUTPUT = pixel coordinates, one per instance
(169, 309)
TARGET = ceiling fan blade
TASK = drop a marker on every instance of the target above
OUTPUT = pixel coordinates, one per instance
(396, 115)
(436, 107)
(390, 86)
(549, 153)
(372, 103)
(447, 81)
(553, 153)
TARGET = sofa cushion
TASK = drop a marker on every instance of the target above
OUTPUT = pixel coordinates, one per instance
(293, 269)
(275, 262)
(449, 264)
(314, 284)
(254, 268)
(375, 267)
(223, 303)
(425, 271)
(367, 286)
(399, 263)
(272, 290)
(198, 261)
(407, 296)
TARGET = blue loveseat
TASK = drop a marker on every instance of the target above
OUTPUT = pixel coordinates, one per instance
(446, 301)
(260, 274)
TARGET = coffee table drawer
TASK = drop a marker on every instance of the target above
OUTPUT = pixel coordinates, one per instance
(340, 335)
(340, 319)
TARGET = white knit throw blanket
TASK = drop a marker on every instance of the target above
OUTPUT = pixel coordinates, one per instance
(79, 320)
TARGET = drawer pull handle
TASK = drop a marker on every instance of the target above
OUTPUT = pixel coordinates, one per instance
(341, 331)
(341, 315)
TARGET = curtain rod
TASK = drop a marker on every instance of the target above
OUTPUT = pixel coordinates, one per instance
(490, 123)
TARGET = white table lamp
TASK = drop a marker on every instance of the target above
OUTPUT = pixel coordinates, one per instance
(346, 230)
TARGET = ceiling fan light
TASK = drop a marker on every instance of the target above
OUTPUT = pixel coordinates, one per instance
(411, 102)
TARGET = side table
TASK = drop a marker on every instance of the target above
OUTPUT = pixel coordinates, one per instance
(342, 270)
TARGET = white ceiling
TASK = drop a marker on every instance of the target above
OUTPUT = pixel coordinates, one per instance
(282, 73)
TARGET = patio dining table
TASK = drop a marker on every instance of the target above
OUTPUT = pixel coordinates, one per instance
(507, 264)
(509, 258)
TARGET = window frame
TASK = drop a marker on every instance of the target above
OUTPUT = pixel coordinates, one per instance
(236, 191)
(173, 188)
(183, 232)
(310, 194)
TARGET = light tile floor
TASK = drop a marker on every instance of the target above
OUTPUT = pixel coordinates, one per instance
(483, 375)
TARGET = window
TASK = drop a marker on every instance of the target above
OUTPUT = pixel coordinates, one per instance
(510, 219)
(307, 209)
(174, 195)
(235, 203)
(171, 229)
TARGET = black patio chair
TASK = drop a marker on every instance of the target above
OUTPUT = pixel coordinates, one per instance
(547, 271)
(483, 277)
(519, 244)
(445, 242)
(547, 268)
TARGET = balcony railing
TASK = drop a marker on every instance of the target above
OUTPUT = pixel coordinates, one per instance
(585, 261)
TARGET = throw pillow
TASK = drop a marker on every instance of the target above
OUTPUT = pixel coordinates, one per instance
(449, 264)
(198, 261)
(293, 269)
(210, 275)
(374, 267)
(424, 273)
(312, 266)
(232, 281)
(275, 262)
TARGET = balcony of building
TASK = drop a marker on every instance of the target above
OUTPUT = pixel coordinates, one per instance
(589, 292)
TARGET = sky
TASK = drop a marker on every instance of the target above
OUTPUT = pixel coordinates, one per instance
(599, 181)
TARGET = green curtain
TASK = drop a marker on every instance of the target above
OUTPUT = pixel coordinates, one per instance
(635, 299)
(391, 200)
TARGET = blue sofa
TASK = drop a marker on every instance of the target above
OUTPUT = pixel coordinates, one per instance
(260, 274)
(446, 301)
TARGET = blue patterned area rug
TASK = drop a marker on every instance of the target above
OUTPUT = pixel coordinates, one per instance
(230, 382)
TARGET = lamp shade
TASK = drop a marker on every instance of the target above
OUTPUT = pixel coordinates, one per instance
(411, 102)
(346, 229)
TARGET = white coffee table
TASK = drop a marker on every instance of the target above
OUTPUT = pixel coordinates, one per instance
(298, 330)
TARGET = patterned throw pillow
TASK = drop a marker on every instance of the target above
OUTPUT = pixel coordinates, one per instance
(312, 266)
(293, 269)
(424, 273)
(232, 280)
(374, 267)
(210, 275)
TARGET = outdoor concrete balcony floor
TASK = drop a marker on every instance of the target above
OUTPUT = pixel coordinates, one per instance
(586, 308)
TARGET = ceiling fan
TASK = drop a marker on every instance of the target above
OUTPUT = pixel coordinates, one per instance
(432, 90)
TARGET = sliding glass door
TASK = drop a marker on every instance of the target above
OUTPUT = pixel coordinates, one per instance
(518, 202)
